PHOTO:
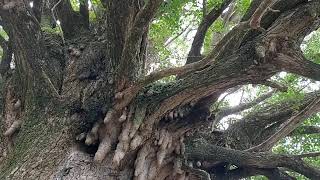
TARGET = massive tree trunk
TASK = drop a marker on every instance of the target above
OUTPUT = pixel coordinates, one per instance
(80, 105)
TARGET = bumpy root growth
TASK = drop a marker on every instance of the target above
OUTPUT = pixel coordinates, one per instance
(108, 133)
(154, 160)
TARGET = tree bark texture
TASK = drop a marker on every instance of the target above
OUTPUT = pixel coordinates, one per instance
(80, 106)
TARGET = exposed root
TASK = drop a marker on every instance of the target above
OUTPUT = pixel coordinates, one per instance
(13, 128)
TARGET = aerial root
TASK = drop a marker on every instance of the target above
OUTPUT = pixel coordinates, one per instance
(140, 163)
(153, 170)
(13, 128)
(119, 95)
(103, 149)
(123, 145)
(123, 117)
(161, 154)
(92, 136)
(111, 114)
(178, 113)
(81, 136)
(17, 105)
(177, 167)
(136, 142)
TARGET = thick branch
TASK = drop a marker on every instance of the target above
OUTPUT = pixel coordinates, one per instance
(129, 57)
(296, 63)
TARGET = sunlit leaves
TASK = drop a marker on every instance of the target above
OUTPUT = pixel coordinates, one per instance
(312, 46)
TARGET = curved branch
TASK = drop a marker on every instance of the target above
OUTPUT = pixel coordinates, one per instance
(194, 53)
(231, 110)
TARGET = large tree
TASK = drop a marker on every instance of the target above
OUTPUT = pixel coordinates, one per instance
(80, 101)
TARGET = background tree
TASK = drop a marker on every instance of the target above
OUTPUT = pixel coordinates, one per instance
(98, 90)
